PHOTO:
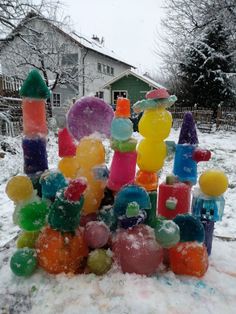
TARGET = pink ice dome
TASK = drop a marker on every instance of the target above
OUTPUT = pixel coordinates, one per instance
(136, 250)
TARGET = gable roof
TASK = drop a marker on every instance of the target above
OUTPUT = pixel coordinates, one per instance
(143, 78)
(81, 40)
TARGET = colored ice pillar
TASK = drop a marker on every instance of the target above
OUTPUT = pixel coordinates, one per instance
(122, 170)
(34, 117)
(66, 145)
(173, 199)
(151, 212)
(209, 230)
(185, 168)
(188, 132)
(35, 155)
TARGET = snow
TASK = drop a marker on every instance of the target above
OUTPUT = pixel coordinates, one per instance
(126, 293)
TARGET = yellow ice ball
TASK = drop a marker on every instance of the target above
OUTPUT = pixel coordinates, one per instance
(155, 124)
(19, 188)
(213, 182)
(90, 152)
(151, 155)
(68, 167)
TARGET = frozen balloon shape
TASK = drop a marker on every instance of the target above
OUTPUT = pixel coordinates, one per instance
(137, 251)
(61, 252)
(99, 262)
(96, 234)
(24, 262)
(19, 188)
(89, 115)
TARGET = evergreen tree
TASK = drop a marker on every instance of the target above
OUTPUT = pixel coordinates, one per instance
(204, 73)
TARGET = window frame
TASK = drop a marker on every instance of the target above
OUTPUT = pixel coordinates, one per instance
(53, 104)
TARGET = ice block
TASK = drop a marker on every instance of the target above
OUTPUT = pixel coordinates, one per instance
(122, 170)
(189, 258)
(173, 199)
(66, 145)
(35, 155)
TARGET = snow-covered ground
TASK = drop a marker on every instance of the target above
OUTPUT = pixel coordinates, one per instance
(125, 293)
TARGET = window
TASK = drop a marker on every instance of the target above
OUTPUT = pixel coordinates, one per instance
(70, 59)
(99, 67)
(99, 94)
(56, 100)
(106, 69)
(119, 93)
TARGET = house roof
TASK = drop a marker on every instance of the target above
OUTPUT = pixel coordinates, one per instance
(94, 45)
(143, 78)
(81, 40)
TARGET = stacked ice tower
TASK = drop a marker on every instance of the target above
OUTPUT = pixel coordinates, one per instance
(82, 217)
(124, 159)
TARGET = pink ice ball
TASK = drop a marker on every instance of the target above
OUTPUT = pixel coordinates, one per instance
(137, 251)
(96, 234)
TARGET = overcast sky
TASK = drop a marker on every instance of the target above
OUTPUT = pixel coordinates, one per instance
(128, 26)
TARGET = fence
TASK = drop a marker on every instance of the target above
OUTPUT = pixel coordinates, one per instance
(10, 116)
(11, 122)
(206, 119)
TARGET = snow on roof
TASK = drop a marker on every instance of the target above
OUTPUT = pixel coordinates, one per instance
(78, 38)
(144, 78)
(98, 47)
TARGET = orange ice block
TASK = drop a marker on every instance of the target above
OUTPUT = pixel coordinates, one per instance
(34, 117)
(122, 108)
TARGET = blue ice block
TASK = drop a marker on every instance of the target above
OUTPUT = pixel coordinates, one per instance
(206, 207)
(35, 155)
(185, 168)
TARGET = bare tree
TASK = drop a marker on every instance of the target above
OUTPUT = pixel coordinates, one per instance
(12, 12)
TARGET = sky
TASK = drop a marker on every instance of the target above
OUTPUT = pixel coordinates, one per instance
(129, 27)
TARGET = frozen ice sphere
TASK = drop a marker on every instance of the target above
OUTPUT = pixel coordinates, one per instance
(89, 115)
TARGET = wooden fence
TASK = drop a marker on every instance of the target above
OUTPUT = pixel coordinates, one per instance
(206, 119)
(225, 119)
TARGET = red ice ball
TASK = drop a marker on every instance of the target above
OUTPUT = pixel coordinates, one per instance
(96, 234)
(137, 251)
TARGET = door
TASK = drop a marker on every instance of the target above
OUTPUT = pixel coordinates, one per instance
(118, 93)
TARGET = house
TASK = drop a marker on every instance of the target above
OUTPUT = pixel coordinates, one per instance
(72, 65)
(131, 85)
